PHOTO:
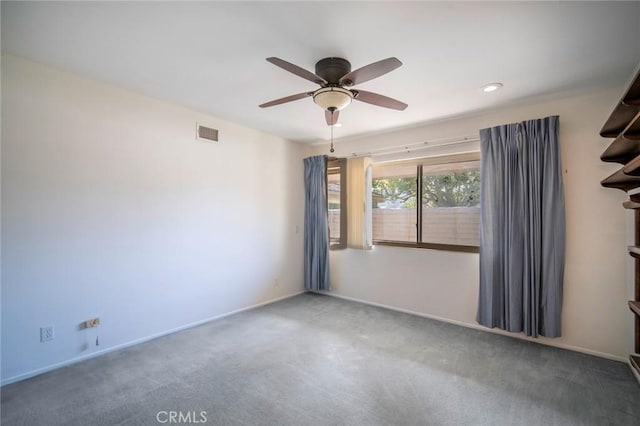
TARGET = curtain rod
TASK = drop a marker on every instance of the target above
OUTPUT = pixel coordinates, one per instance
(419, 146)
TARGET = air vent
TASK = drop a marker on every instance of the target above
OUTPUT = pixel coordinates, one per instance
(206, 133)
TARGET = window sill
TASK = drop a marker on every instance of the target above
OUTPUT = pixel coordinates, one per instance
(432, 246)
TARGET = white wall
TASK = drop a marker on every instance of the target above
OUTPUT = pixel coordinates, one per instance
(445, 284)
(112, 209)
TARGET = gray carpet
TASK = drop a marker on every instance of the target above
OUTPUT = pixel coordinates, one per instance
(317, 360)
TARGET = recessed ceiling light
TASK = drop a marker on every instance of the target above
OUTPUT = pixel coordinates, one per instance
(492, 87)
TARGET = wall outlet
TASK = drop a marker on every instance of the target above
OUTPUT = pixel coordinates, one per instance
(47, 333)
(93, 322)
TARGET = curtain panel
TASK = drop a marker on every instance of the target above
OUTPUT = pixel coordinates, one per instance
(359, 214)
(316, 225)
(522, 235)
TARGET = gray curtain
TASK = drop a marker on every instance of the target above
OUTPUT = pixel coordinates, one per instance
(316, 225)
(522, 229)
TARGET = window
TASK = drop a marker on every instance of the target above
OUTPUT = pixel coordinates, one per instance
(337, 203)
(448, 215)
(394, 194)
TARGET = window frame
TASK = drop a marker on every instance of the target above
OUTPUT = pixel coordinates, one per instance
(338, 166)
(429, 161)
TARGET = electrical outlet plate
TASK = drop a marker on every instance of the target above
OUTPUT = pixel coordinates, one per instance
(93, 322)
(47, 333)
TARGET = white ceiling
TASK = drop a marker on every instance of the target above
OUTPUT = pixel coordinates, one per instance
(210, 56)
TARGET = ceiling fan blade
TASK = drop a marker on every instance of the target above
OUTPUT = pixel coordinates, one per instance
(379, 100)
(369, 72)
(286, 99)
(331, 118)
(300, 72)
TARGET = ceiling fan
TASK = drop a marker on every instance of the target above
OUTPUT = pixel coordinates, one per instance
(334, 76)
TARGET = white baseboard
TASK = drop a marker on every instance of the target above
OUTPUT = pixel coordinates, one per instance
(65, 363)
(52, 367)
(481, 328)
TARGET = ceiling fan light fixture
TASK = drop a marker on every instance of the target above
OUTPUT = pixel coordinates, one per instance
(332, 98)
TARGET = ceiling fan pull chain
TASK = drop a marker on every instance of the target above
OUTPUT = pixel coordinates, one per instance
(331, 150)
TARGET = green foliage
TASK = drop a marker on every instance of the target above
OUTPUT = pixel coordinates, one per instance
(402, 191)
(443, 190)
(451, 189)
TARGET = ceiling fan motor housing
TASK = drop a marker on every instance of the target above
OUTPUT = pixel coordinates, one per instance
(333, 69)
